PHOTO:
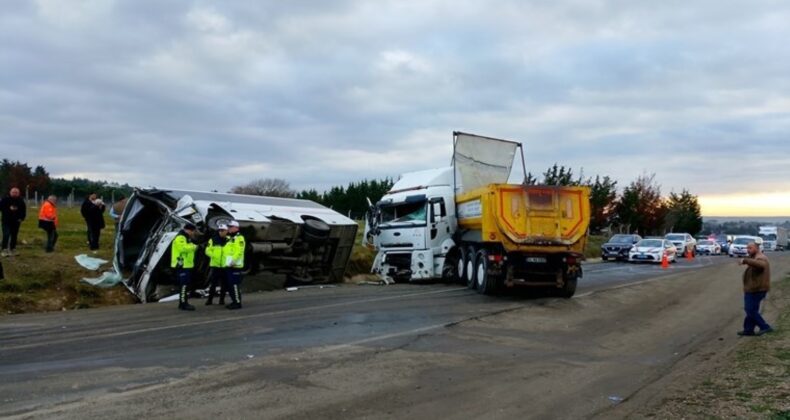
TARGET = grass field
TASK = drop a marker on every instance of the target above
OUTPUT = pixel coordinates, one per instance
(36, 281)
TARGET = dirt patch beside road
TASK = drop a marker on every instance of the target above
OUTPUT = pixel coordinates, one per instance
(753, 381)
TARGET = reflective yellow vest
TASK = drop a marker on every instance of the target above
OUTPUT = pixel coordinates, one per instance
(182, 252)
(216, 254)
(234, 251)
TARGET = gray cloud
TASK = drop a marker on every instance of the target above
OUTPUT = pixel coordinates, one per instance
(204, 95)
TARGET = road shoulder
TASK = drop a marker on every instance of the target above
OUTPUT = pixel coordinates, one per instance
(749, 379)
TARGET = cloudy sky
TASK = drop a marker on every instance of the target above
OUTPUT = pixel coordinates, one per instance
(207, 95)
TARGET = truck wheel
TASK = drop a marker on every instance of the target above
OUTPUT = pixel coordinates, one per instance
(453, 264)
(569, 289)
(460, 268)
(315, 230)
(469, 260)
(486, 283)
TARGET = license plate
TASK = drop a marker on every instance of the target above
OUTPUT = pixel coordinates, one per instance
(536, 260)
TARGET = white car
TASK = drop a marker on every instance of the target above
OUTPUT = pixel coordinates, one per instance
(653, 250)
(708, 247)
(738, 246)
(683, 242)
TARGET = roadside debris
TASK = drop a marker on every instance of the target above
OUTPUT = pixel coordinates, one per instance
(614, 399)
(106, 280)
(315, 286)
(90, 263)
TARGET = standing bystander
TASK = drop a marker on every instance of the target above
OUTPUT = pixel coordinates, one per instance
(48, 221)
(14, 212)
(756, 284)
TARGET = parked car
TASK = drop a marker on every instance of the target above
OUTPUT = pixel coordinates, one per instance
(738, 247)
(708, 247)
(653, 250)
(683, 242)
(723, 241)
(617, 247)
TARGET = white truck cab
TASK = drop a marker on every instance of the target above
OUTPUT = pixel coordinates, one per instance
(412, 226)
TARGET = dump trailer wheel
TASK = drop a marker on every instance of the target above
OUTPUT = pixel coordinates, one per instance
(460, 268)
(569, 289)
(486, 283)
(469, 259)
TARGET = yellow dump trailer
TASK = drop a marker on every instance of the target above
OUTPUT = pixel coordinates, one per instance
(470, 223)
(522, 235)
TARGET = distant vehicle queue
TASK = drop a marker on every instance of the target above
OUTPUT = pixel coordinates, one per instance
(634, 248)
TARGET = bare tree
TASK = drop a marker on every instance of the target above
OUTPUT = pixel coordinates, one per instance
(270, 187)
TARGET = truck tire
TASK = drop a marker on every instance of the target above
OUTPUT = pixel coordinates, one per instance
(569, 289)
(315, 230)
(460, 268)
(452, 265)
(486, 283)
(469, 259)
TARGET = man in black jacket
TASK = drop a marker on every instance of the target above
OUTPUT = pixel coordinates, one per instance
(94, 217)
(14, 212)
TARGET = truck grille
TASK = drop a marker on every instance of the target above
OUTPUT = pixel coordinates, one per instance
(401, 261)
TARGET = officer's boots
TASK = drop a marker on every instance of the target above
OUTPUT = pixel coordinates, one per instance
(235, 297)
(211, 292)
(183, 303)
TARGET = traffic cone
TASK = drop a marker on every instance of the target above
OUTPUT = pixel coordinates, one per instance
(689, 255)
(665, 262)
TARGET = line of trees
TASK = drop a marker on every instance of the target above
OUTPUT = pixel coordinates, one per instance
(350, 200)
(37, 181)
(638, 208)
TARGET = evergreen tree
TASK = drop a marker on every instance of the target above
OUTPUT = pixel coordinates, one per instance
(684, 213)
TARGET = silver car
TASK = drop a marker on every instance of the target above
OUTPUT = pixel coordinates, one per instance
(684, 243)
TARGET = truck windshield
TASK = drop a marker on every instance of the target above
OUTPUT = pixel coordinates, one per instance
(769, 237)
(403, 213)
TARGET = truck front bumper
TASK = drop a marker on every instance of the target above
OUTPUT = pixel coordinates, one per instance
(404, 265)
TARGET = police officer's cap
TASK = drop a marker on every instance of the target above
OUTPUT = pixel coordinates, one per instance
(233, 223)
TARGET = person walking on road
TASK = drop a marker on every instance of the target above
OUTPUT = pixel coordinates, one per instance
(756, 284)
(48, 221)
(182, 261)
(215, 251)
(14, 212)
(234, 261)
(94, 217)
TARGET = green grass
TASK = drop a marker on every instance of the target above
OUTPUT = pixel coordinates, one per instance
(593, 248)
(36, 281)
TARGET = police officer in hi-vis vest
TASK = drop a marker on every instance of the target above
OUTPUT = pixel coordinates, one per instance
(182, 260)
(234, 262)
(215, 251)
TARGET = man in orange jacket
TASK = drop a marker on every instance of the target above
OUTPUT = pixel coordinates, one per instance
(48, 221)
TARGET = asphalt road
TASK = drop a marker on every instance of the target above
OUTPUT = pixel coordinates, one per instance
(155, 361)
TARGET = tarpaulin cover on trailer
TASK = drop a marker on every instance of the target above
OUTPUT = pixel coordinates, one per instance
(480, 161)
